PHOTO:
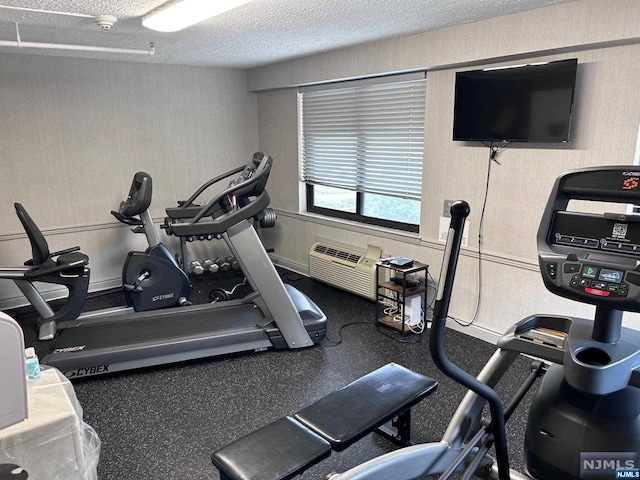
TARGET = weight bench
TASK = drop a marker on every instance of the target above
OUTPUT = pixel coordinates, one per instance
(290, 445)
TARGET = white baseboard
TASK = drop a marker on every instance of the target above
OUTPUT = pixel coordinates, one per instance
(59, 292)
(289, 265)
(476, 331)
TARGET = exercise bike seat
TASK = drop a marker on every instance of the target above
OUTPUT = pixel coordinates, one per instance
(72, 258)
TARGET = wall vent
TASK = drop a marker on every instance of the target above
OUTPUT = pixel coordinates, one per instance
(347, 268)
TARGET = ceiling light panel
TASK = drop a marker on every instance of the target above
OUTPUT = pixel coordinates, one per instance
(178, 14)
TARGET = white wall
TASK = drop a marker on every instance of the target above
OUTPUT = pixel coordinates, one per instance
(568, 26)
(74, 131)
(604, 132)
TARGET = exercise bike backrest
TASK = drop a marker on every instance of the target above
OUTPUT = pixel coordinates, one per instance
(138, 200)
(39, 246)
(44, 261)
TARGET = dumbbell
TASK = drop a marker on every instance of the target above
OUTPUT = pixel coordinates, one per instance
(210, 266)
(222, 263)
(226, 264)
(196, 267)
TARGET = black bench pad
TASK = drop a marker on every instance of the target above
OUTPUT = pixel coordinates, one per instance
(347, 415)
(278, 451)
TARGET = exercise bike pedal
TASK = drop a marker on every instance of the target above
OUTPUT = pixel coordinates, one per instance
(131, 288)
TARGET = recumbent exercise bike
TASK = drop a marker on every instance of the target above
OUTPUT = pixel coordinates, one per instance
(151, 279)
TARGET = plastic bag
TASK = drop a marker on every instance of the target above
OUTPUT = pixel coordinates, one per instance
(54, 443)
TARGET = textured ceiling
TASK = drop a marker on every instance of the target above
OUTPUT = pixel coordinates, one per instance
(258, 33)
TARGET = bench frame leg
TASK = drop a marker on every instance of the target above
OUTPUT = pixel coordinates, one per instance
(399, 432)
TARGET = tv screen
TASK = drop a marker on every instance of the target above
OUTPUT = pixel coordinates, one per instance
(522, 103)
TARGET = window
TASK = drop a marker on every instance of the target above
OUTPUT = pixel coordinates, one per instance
(361, 149)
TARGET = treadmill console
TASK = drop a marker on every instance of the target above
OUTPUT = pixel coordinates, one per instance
(254, 176)
(591, 257)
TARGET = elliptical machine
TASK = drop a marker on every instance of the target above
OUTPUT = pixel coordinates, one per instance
(584, 421)
(151, 279)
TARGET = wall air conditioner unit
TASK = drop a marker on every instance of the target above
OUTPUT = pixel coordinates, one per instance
(347, 268)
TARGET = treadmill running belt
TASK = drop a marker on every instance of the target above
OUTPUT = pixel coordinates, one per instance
(154, 327)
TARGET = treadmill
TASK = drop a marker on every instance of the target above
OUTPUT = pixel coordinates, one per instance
(273, 316)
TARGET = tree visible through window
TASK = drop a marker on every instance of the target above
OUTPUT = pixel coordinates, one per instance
(361, 150)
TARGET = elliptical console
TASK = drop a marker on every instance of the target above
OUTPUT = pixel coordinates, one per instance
(591, 403)
(588, 257)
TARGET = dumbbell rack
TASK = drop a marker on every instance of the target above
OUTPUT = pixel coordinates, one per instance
(219, 263)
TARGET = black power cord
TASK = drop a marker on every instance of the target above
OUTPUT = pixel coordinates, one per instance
(396, 336)
(493, 154)
(335, 343)
(494, 151)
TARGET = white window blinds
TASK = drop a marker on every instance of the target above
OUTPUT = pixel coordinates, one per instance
(367, 138)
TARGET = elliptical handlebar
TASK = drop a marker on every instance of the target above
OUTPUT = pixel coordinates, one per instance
(459, 212)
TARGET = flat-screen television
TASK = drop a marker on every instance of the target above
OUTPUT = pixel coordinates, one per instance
(520, 103)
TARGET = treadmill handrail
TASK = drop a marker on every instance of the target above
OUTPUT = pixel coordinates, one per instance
(224, 222)
(208, 208)
(206, 185)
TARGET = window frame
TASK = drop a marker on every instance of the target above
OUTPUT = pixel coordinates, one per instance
(358, 216)
(309, 191)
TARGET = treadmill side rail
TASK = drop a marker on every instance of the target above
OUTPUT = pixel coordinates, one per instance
(255, 263)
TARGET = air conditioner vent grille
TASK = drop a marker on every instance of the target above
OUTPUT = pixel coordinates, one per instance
(333, 252)
(344, 268)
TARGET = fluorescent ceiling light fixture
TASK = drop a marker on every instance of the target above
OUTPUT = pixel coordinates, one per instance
(178, 14)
